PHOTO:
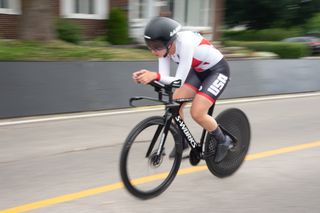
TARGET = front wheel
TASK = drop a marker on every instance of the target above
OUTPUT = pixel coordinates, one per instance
(144, 172)
(235, 123)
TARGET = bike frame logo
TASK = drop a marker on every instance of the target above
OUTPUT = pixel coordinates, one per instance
(186, 131)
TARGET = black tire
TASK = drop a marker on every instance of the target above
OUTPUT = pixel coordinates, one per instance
(237, 124)
(138, 141)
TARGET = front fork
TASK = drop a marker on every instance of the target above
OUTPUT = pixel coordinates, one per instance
(163, 135)
(173, 112)
(167, 123)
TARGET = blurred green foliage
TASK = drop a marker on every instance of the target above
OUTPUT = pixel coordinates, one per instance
(260, 14)
(313, 25)
(272, 34)
(16, 50)
(282, 49)
(68, 31)
(117, 27)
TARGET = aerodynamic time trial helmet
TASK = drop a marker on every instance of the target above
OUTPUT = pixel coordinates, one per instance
(160, 32)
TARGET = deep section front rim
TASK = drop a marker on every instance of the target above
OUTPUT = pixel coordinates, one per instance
(138, 142)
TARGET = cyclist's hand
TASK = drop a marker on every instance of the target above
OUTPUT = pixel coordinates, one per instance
(136, 74)
(144, 76)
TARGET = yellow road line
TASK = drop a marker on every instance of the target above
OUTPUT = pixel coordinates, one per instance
(119, 185)
(283, 150)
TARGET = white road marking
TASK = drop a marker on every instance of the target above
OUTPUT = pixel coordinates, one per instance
(36, 119)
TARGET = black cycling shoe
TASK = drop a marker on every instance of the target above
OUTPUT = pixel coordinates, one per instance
(223, 148)
(185, 147)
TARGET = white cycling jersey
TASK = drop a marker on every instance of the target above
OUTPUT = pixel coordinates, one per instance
(192, 52)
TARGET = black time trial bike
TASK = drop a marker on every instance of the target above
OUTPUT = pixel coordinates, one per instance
(146, 168)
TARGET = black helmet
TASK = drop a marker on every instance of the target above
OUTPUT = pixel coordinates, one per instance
(160, 32)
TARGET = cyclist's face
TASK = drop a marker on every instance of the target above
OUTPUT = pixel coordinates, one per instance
(159, 52)
(156, 47)
(172, 49)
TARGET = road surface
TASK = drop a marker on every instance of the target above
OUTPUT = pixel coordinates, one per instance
(69, 163)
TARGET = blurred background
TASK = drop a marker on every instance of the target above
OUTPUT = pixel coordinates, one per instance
(240, 28)
(71, 61)
(78, 34)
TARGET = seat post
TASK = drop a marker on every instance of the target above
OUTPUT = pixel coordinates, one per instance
(210, 111)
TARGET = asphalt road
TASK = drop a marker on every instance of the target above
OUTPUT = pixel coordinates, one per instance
(71, 164)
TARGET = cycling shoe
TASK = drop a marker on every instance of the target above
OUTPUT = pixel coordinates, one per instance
(223, 148)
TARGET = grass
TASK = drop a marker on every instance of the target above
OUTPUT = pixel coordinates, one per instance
(15, 50)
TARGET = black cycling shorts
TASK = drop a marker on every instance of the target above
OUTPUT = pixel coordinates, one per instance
(210, 83)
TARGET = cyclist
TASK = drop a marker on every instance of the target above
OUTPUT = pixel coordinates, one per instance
(201, 68)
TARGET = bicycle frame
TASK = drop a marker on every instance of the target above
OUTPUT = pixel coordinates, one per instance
(172, 109)
(172, 125)
(173, 112)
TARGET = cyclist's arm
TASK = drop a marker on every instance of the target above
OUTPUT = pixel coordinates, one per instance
(182, 70)
(186, 57)
(164, 71)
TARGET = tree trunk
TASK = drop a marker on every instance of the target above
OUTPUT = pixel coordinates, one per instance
(218, 17)
(36, 21)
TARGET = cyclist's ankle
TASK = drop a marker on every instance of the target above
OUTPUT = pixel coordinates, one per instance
(218, 135)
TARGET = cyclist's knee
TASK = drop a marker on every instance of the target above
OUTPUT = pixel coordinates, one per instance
(197, 115)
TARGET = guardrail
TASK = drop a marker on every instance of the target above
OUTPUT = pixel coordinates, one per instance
(38, 88)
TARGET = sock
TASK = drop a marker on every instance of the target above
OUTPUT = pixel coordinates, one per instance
(218, 134)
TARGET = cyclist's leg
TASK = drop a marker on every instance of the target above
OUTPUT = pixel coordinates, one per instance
(213, 85)
(184, 92)
(199, 112)
(189, 89)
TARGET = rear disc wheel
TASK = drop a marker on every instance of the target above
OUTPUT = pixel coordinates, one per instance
(235, 123)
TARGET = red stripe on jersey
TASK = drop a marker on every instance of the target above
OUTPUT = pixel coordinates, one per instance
(195, 62)
(205, 42)
(198, 69)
